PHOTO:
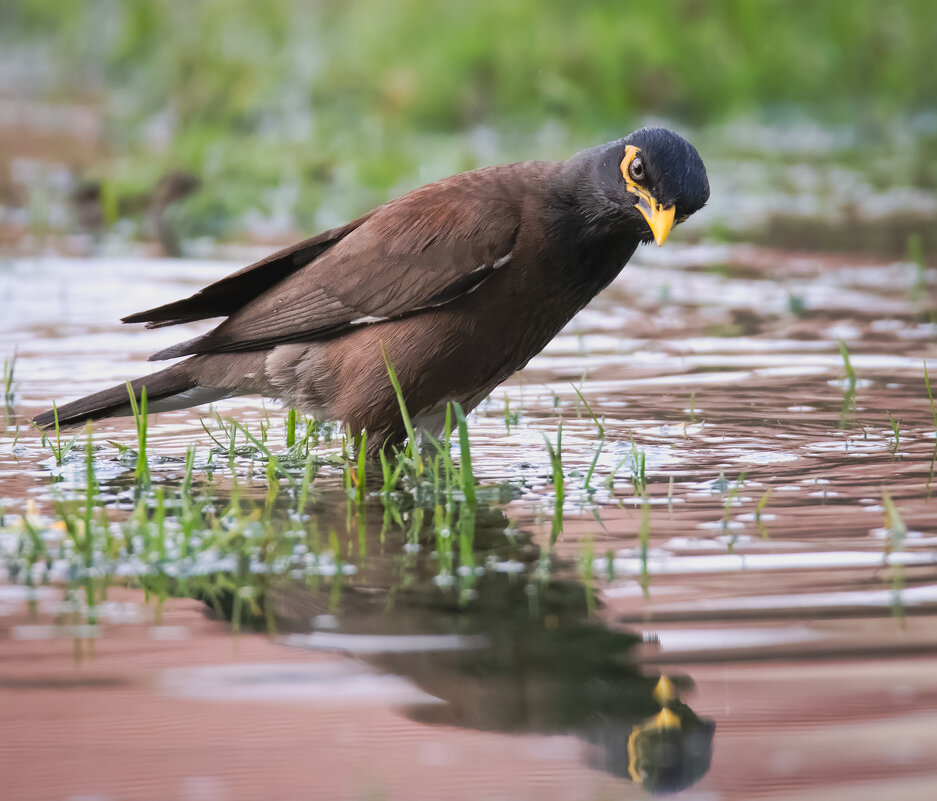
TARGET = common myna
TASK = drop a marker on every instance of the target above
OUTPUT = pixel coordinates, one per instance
(460, 283)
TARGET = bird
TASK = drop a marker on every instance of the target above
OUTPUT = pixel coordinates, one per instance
(456, 285)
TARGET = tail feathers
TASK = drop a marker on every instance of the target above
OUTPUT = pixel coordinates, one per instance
(173, 388)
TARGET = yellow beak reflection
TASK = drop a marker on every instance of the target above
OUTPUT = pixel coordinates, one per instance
(659, 218)
(664, 692)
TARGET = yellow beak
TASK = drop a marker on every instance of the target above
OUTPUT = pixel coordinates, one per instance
(658, 218)
(665, 719)
(664, 692)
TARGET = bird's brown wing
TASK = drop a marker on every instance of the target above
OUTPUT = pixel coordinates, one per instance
(416, 252)
(234, 291)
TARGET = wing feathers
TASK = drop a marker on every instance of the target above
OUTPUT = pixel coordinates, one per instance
(226, 296)
(418, 251)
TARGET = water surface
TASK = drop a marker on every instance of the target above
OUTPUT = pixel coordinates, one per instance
(774, 560)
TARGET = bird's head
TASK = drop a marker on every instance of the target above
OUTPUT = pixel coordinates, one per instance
(654, 178)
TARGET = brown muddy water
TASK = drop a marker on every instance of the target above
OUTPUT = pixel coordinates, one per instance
(756, 529)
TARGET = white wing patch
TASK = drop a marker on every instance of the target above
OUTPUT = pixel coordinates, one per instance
(368, 319)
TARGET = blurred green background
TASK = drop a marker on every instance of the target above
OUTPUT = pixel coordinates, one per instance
(298, 115)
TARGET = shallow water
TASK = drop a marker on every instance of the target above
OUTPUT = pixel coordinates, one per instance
(762, 570)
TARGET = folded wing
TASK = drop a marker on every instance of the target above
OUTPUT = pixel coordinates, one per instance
(416, 252)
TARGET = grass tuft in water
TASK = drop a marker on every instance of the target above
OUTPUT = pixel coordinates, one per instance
(186, 487)
(510, 418)
(759, 509)
(413, 446)
(559, 482)
(847, 364)
(274, 467)
(291, 420)
(600, 430)
(9, 392)
(141, 473)
(466, 475)
(57, 446)
(59, 451)
(896, 433)
(638, 470)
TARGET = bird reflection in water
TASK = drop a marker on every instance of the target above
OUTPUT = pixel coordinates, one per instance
(531, 661)
(506, 649)
(670, 750)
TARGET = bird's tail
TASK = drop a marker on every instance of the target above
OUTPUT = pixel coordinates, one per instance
(172, 388)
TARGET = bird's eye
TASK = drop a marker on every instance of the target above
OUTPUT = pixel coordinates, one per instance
(636, 169)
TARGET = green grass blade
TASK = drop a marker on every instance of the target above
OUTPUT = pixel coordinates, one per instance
(412, 446)
(466, 476)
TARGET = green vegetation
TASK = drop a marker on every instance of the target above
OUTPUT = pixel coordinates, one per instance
(312, 112)
(9, 368)
(260, 513)
(413, 449)
(896, 433)
(215, 542)
(446, 65)
(194, 536)
(559, 481)
(638, 470)
(142, 471)
(600, 431)
(759, 510)
(59, 450)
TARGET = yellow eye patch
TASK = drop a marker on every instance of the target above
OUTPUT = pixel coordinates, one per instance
(658, 218)
(630, 152)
